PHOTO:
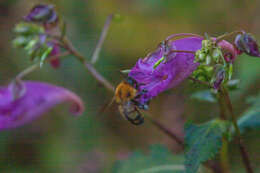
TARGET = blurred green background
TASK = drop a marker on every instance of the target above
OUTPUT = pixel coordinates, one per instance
(57, 142)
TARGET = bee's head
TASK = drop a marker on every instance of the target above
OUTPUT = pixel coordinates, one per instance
(131, 81)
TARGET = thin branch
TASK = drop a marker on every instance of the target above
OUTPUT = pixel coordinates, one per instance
(244, 154)
(68, 45)
(27, 71)
(36, 66)
(166, 131)
(224, 36)
(101, 39)
(99, 77)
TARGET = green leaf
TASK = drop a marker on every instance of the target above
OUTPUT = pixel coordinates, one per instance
(204, 95)
(159, 160)
(233, 84)
(203, 142)
(250, 120)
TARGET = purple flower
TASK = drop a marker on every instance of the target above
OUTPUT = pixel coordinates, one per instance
(177, 67)
(22, 102)
(43, 14)
(246, 43)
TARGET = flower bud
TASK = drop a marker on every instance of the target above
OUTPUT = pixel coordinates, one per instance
(28, 29)
(247, 43)
(216, 54)
(42, 14)
(208, 60)
(219, 76)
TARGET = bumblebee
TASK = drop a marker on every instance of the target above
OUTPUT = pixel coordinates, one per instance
(126, 94)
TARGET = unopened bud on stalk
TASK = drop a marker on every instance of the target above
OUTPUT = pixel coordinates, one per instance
(246, 43)
(43, 14)
(219, 76)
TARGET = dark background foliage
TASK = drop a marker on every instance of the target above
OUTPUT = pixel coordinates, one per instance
(58, 142)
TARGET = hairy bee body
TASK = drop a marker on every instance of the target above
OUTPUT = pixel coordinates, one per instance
(125, 94)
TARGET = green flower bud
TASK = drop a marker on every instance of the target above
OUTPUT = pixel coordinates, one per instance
(21, 41)
(208, 60)
(216, 54)
(27, 29)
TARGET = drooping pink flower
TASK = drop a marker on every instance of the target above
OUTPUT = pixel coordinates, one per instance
(21, 103)
(177, 67)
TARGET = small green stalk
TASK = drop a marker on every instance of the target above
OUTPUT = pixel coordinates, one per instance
(243, 152)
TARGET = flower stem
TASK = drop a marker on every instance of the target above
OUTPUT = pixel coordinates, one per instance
(221, 103)
(68, 45)
(244, 154)
(32, 68)
(101, 40)
(224, 159)
(166, 131)
(224, 36)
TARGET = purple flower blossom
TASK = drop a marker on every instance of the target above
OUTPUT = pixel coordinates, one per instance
(42, 14)
(178, 66)
(246, 43)
(22, 102)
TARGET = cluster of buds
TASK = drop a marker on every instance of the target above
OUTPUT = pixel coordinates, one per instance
(33, 34)
(214, 66)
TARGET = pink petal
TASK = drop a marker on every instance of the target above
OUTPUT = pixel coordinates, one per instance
(37, 99)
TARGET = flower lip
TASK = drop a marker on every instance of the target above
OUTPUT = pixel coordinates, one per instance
(38, 98)
(177, 67)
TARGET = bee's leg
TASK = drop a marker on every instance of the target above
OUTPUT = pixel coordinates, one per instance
(141, 93)
(138, 120)
(140, 105)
